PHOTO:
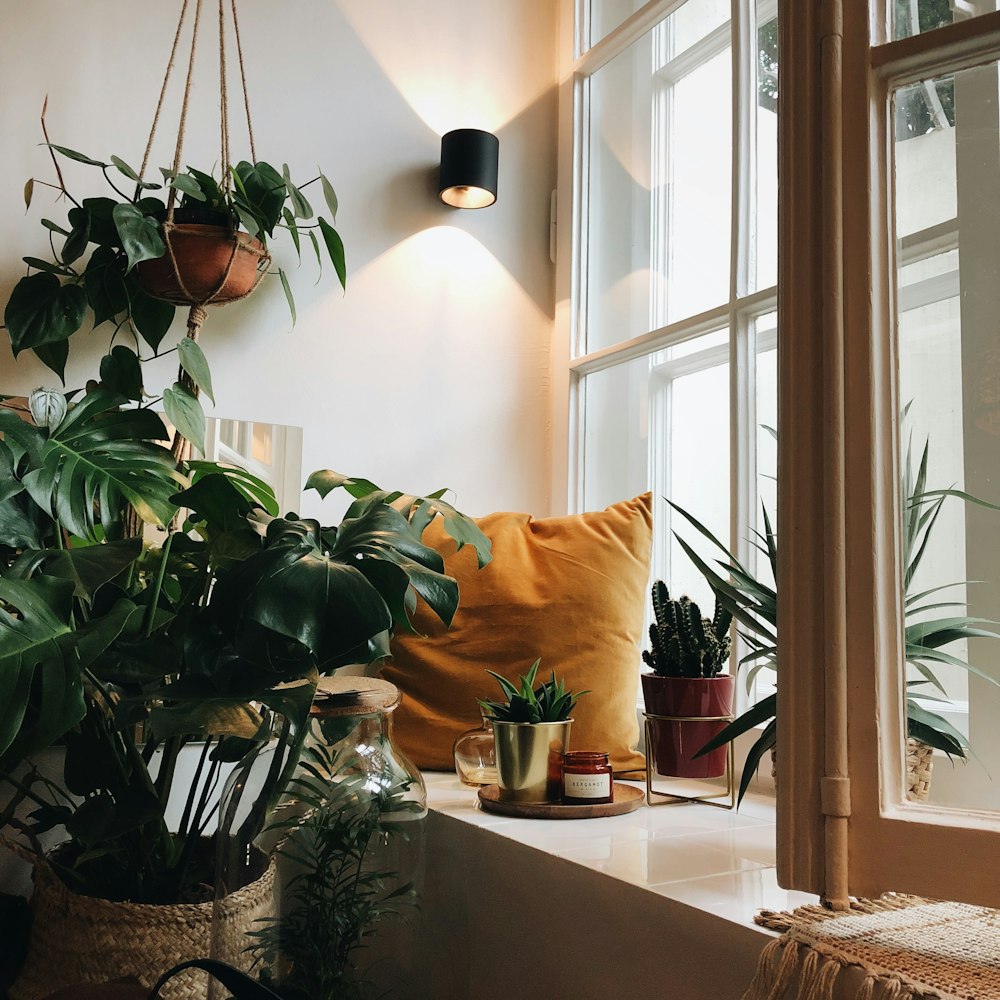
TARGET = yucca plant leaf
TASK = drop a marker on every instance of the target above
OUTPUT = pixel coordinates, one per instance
(761, 712)
(767, 741)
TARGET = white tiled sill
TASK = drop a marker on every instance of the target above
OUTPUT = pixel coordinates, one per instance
(717, 860)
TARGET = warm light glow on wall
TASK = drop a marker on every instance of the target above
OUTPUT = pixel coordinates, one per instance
(440, 73)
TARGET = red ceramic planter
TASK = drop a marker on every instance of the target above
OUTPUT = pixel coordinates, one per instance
(674, 744)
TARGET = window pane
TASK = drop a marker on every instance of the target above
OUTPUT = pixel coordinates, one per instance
(606, 15)
(696, 166)
(660, 155)
(764, 272)
(694, 21)
(618, 258)
(615, 403)
(913, 17)
(947, 191)
(699, 473)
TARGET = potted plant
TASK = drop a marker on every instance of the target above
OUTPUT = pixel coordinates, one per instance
(147, 664)
(754, 606)
(132, 255)
(687, 654)
(532, 730)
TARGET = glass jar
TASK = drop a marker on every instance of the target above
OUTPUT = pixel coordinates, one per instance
(587, 778)
(475, 755)
(347, 837)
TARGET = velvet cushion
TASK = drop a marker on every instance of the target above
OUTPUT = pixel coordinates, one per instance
(570, 590)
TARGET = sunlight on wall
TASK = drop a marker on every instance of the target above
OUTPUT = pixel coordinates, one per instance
(442, 66)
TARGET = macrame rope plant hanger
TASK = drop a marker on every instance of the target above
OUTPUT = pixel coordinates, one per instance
(241, 261)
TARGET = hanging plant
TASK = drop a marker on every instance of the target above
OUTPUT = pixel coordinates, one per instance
(131, 255)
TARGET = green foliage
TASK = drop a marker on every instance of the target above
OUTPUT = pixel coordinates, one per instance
(682, 643)
(338, 893)
(125, 654)
(94, 255)
(549, 702)
(754, 606)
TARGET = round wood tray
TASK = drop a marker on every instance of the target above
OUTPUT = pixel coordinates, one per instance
(627, 799)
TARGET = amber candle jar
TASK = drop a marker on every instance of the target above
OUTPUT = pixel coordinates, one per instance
(587, 778)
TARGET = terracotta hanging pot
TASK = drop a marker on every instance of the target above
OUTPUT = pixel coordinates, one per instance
(676, 743)
(206, 262)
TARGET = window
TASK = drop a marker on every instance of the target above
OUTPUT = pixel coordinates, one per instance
(670, 346)
(893, 308)
(890, 159)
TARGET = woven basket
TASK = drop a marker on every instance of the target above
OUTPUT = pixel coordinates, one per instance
(919, 763)
(80, 939)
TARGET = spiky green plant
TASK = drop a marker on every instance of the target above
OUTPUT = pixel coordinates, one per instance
(338, 892)
(549, 702)
(682, 643)
(754, 605)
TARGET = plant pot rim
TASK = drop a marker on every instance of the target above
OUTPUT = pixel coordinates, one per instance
(533, 725)
(672, 677)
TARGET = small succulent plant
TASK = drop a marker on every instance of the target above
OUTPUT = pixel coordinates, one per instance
(683, 644)
(548, 702)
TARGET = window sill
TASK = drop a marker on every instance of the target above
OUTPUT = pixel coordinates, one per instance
(715, 860)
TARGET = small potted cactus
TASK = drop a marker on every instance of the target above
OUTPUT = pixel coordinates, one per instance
(532, 730)
(687, 653)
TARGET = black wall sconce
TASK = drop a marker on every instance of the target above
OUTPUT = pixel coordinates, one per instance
(469, 165)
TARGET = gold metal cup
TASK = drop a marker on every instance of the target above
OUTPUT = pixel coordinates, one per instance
(529, 759)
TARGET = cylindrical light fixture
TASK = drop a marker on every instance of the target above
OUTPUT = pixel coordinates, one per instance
(469, 165)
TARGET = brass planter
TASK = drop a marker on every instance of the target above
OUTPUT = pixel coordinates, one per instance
(529, 759)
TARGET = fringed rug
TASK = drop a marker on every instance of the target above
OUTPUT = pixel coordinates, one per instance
(902, 947)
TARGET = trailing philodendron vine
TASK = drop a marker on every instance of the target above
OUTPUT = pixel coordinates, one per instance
(90, 269)
(682, 643)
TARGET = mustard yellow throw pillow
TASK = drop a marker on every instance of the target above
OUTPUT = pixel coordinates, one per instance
(571, 590)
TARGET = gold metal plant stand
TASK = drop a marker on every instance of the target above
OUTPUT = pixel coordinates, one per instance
(729, 793)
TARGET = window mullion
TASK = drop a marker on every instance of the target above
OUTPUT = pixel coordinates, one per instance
(743, 25)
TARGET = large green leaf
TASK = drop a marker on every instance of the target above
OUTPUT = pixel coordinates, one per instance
(42, 310)
(104, 285)
(335, 248)
(185, 413)
(90, 566)
(101, 457)
(194, 363)
(41, 694)
(151, 317)
(261, 189)
(121, 373)
(140, 235)
(293, 588)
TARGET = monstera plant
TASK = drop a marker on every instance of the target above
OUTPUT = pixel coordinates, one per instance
(124, 652)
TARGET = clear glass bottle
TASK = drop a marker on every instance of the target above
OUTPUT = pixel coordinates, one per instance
(475, 755)
(347, 836)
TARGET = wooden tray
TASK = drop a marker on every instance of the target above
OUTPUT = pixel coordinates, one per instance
(627, 799)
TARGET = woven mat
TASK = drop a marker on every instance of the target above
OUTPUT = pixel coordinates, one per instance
(902, 946)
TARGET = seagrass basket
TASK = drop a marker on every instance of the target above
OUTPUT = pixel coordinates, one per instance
(81, 939)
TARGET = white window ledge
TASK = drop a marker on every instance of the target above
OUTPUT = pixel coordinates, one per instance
(656, 903)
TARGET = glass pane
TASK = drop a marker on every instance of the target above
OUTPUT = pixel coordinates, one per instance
(615, 403)
(618, 257)
(697, 473)
(696, 206)
(764, 272)
(694, 21)
(947, 198)
(606, 15)
(660, 155)
(913, 17)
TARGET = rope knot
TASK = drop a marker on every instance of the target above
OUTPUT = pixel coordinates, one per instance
(196, 316)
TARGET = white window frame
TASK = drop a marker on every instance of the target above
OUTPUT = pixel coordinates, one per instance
(844, 827)
(570, 363)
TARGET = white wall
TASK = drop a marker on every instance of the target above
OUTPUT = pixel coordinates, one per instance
(433, 368)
